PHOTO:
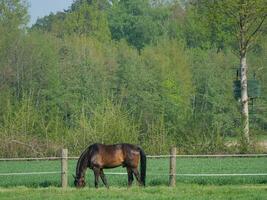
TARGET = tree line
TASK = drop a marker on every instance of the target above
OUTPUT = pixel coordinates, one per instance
(152, 72)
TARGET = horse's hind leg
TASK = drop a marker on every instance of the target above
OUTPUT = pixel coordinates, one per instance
(130, 176)
(97, 173)
(137, 175)
(103, 177)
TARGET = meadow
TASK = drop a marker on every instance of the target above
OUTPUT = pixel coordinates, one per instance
(181, 191)
(157, 172)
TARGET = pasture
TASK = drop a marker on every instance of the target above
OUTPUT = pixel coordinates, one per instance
(181, 192)
(188, 187)
(157, 172)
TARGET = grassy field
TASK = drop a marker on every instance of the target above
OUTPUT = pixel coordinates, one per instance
(181, 191)
(157, 172)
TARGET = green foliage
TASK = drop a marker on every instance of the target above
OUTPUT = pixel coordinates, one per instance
(13, 14)
(87, 19)
(257, 63)
(174, 82)
(214, 108)
(145, 72)
(82, 19)
(196, 29)
(138, 22)
(231, 22)
(205, 27)
(13, 18)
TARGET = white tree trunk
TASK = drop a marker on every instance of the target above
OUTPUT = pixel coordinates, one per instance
(244, 98)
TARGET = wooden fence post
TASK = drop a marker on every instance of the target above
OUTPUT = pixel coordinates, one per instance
(64, 168)
(172, 179)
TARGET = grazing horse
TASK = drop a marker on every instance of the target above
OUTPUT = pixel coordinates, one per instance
(99, 156)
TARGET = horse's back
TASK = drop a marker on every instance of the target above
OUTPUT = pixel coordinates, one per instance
(109, 156)
(115, 147)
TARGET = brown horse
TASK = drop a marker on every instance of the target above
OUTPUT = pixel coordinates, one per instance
(99, 156)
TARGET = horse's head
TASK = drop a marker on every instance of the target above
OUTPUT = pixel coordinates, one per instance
(79, 182)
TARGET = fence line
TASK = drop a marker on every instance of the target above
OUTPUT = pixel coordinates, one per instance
(172, 170)
(30, 159)
(148, 156)
(260, 174)
(28, 173)
(124, 173)
(192, 175)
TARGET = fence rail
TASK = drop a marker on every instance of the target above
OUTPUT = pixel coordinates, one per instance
(172, 167)
(148, 156)
(28, 173)
(123, 173)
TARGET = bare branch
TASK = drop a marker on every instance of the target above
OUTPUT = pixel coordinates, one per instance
(256, 30)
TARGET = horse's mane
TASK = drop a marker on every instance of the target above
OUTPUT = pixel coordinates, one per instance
(85, 152)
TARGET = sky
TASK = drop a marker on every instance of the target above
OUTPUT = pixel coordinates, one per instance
(41, 8)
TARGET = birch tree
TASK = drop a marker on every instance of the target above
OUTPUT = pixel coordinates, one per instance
(243, 20)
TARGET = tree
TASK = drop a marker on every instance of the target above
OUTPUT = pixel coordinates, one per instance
(244, 19)
(101, 4)
(84, 18)
(13, 20)
(13, 13)
(138, 22)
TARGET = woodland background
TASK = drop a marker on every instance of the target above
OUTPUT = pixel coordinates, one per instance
(150, 72)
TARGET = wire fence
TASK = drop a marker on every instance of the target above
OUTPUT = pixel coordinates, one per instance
(148, 156)
(28, 173)
(172, 174)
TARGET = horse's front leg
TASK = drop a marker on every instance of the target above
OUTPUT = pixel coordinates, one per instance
(97, 173)
(103, 177)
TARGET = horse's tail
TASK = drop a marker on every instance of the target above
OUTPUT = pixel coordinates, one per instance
(143, 166)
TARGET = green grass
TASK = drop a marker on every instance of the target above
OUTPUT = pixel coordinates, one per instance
(154, 167)
(181, 191)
